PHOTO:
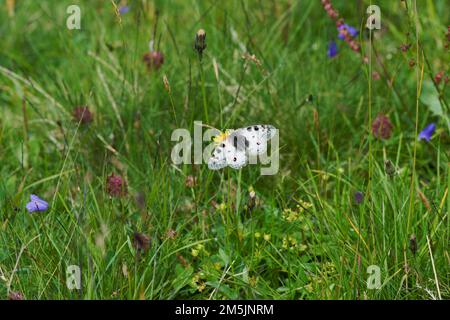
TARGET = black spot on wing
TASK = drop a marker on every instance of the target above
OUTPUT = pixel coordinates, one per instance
(235, 141)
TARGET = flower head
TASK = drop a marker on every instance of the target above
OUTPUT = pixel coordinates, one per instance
(359, 197)
(427, 133)
(124, 9)
(15, 295)
(153, 60)
(36, 204)
(332, 49)
(345, 28)
(200, 42)
(382, 127)
(82, 115)
(116, 186)
(438, 77)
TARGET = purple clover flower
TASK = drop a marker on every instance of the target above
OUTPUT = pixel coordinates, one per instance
(36, 204)
(124, 9)
(351, 31)
(428, 132)
(332, 49)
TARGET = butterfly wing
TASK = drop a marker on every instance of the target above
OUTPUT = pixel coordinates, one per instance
(239, 145)
(218, 159)
(228, 153)
(256, 137)
(236, 159)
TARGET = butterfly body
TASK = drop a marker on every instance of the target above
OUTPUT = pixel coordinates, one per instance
(234, 147)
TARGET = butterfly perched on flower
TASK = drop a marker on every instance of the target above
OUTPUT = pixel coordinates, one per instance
(234, 147)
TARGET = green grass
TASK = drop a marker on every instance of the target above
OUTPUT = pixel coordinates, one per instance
(224, 248)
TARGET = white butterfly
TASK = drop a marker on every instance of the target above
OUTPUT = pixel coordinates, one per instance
(234, 147)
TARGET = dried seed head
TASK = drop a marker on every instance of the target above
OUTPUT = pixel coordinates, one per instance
(153, 60)
(183, 261)
(413, 244)
(190, 181)
(116, 186)
(382, 127)
(166, 84)
(141, 241)
(376, 76)
(171, 234)
(424, 200)
(82, 115)
(389, 168)
(252, 200)
(200, 42)
(405, 47)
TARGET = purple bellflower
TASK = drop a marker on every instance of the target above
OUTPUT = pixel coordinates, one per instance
(332, 49)
(351, 31)
(36, 204)
(427, 133)
(124, 9)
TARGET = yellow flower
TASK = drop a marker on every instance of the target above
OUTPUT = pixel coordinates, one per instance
(201, 286)
(267, 237)
(252, 281)
(257, 235)
(309, 287)
(289, 243)
(291, 215)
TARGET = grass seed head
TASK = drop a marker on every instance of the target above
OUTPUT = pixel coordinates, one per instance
(413, 244)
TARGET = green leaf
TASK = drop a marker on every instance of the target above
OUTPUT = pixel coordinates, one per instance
(430, 97)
